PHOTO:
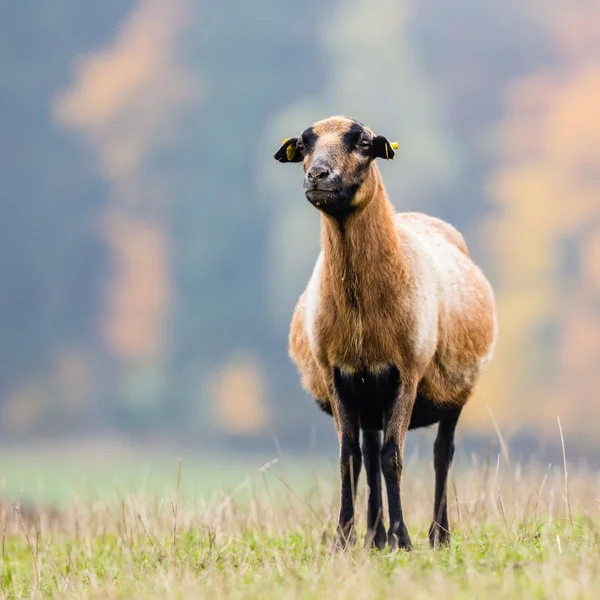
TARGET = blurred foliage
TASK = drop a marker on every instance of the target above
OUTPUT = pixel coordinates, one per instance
(546, 237)
(152, 250)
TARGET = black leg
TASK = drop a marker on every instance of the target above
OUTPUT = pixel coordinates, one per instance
(392, 471)
(347, 422)
(347, 425)
(443, 453)
(350, 464)
(395, 429)
(371, 448)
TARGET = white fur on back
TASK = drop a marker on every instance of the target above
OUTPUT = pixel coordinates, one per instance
(441, 277)
(313, 301)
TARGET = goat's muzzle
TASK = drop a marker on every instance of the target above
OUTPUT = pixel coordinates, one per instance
(320, 198)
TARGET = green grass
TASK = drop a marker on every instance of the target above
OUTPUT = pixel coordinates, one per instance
(270, 536)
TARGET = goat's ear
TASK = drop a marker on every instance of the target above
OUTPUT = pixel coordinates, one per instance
(288, 152)
(383, 148)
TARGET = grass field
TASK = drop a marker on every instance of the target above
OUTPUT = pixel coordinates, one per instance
(270, 536)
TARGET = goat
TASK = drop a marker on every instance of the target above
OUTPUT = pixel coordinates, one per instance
(393, 329)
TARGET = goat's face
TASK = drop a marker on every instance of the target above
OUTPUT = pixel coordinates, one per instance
(337, 154)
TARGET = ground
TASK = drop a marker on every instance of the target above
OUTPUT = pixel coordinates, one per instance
(517, 534)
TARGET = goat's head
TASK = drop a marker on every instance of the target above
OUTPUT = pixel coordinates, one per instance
(337, 154)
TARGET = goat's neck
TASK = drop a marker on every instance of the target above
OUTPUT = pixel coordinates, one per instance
(361, 252)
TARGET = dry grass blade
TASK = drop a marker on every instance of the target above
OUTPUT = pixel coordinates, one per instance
(175, 508)
(3, 552)
(501, 440)
(567, 499)
(291, 491)
(539, 494)
(457, 504)
(502, 512)
(125, 528)
(32, 548)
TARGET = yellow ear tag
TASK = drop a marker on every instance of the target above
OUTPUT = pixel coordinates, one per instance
(387, 156)
(290, 151)
(395, 145)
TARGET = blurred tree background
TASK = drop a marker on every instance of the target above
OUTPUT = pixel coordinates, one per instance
(152, 250)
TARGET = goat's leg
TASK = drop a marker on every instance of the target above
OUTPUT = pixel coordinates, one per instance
(395, 429)
(371, 449)
(443, 452)
(347, 424)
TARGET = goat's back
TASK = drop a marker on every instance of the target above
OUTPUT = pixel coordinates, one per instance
(457, 322)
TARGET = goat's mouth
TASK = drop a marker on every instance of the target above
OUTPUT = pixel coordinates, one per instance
(335, 202)
(320, 198)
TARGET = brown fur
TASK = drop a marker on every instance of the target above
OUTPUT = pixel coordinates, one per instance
(371, 261)
(393, 289)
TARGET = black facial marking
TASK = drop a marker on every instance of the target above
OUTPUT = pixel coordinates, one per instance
(353, 120)
(363, 167)
(341, 206)
(309, 139)
(351, 137)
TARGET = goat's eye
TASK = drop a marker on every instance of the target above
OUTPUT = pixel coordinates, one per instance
(300, 145)
(365, 143)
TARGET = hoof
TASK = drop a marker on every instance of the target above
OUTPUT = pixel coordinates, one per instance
(344, 540)
(376, 538)
(399, 540)
(439, 536)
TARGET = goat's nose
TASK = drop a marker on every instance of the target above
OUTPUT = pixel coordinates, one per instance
(316, 173)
